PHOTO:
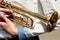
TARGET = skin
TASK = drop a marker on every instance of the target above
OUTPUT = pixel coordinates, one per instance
(0, 1)
(8, 25)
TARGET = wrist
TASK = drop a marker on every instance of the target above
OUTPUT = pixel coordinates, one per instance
(14, 32)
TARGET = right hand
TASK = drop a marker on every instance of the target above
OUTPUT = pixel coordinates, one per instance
(8, 25)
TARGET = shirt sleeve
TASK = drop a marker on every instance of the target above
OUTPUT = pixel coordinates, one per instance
(26, 33)
(21, 33)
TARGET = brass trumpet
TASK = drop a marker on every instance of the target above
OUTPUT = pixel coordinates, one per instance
(50, 22)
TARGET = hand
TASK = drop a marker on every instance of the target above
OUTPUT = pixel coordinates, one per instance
(1, 1)
(8, 25)
(6, 11)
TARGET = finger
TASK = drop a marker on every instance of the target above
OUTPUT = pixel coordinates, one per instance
(2, 13)
(5, 10)
(3, 16)
(6, 19)
(8, 11)
(7, 15)
(1, 1)
(2, 24)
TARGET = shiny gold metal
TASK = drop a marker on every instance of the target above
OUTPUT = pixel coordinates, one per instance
(50, 21)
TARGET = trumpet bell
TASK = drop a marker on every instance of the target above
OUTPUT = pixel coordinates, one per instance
(52, 22)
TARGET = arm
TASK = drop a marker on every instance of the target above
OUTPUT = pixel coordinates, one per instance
(24, 32)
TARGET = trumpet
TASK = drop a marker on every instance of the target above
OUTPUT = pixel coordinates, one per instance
(20, 10)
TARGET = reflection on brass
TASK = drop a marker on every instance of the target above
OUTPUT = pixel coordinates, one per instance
(50, 21)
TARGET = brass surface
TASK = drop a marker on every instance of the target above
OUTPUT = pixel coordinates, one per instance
(50, 23)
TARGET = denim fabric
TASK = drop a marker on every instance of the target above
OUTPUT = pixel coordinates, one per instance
(21, 33)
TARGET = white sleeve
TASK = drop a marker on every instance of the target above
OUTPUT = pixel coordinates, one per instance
(38, 29)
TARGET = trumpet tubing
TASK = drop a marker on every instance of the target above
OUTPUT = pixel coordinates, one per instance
(50, 23)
